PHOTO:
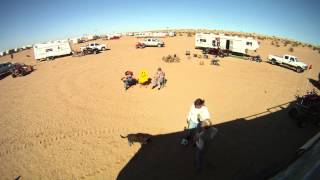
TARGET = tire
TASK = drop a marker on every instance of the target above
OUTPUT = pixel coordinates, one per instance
(13, 75)
(273, 62)
(94, 52)
(299, 70)
(103, 49)
(159, 45)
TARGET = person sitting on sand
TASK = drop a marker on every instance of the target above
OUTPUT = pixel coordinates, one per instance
(159, 79)
(128, 79)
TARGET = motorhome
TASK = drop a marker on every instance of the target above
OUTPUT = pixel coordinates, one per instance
(51, 50)
(207, 41)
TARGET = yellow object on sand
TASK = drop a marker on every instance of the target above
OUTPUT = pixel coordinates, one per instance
(143, 76)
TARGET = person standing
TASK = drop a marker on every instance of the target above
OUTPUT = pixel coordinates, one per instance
(198, 113)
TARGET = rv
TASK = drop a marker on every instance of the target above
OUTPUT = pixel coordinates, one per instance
(171, 34)
(208, 41)
(2, 53)
(51, 50)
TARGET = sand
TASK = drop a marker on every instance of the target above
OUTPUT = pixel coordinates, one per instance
(63, 120)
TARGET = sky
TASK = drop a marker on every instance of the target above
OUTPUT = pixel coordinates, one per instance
(34, 21)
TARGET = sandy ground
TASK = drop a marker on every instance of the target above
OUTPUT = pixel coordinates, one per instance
(63, 121)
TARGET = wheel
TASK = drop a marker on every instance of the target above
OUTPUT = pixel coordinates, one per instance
(103, 49)
(13, 75)
(273, 62)
(94, 52)
(299, 70)
(159, 45)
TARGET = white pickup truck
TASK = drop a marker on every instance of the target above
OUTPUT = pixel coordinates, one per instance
(100, 47)
(288, 61)
(152, 42)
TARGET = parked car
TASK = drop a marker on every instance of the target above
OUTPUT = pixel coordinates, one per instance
(288, 61)
(5, 68)
(149, 42)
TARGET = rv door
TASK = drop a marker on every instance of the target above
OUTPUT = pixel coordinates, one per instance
(229, 45)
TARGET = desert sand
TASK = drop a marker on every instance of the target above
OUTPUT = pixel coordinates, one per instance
(63, 120)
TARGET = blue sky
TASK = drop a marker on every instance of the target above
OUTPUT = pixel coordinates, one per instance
(32, 21)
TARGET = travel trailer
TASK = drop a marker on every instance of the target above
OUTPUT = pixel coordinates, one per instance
(171, 34)
(207, 41)
(51, 50)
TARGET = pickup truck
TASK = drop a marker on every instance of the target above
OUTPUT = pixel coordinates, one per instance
(288, 61)
(100, 47)
(149, 42)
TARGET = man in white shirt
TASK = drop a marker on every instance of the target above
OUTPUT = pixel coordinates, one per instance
(198, 113)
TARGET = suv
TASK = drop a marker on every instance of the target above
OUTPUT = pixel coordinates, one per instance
(5, 67)
(152, 42)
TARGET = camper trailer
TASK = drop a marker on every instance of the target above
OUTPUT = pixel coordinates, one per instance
(207, 41)
(171, 34)
(51, 50)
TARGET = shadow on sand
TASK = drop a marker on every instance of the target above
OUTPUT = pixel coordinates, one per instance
(315, 83)
(253, 147)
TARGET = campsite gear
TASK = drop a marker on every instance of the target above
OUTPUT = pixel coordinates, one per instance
(140, 45)
(255, 58)
(18, 69)
(171, 58)
(143, 76)
(215, 62)
(306, 109)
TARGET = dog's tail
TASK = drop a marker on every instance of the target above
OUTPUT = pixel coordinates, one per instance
(123, 136)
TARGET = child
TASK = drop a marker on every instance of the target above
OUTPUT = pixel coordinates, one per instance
(128, 79)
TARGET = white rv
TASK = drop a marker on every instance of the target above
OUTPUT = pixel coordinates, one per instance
(51, 50)
(236, 44)
(172, 34)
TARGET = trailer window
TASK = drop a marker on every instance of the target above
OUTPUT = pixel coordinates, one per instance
(203, 40)
(249, 43)
(213, 43)
(49, 50)
(286, 57)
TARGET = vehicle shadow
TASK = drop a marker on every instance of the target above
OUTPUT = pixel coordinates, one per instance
(252, 147)
(4, 75)
(315, 83)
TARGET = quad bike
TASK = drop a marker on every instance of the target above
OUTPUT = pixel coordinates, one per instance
(255, 58)
(140, 45)
(306, 110)
(20, 69)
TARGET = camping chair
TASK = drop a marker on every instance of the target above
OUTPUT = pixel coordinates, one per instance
(143, 77)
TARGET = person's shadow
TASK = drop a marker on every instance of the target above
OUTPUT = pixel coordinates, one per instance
(253, 147)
